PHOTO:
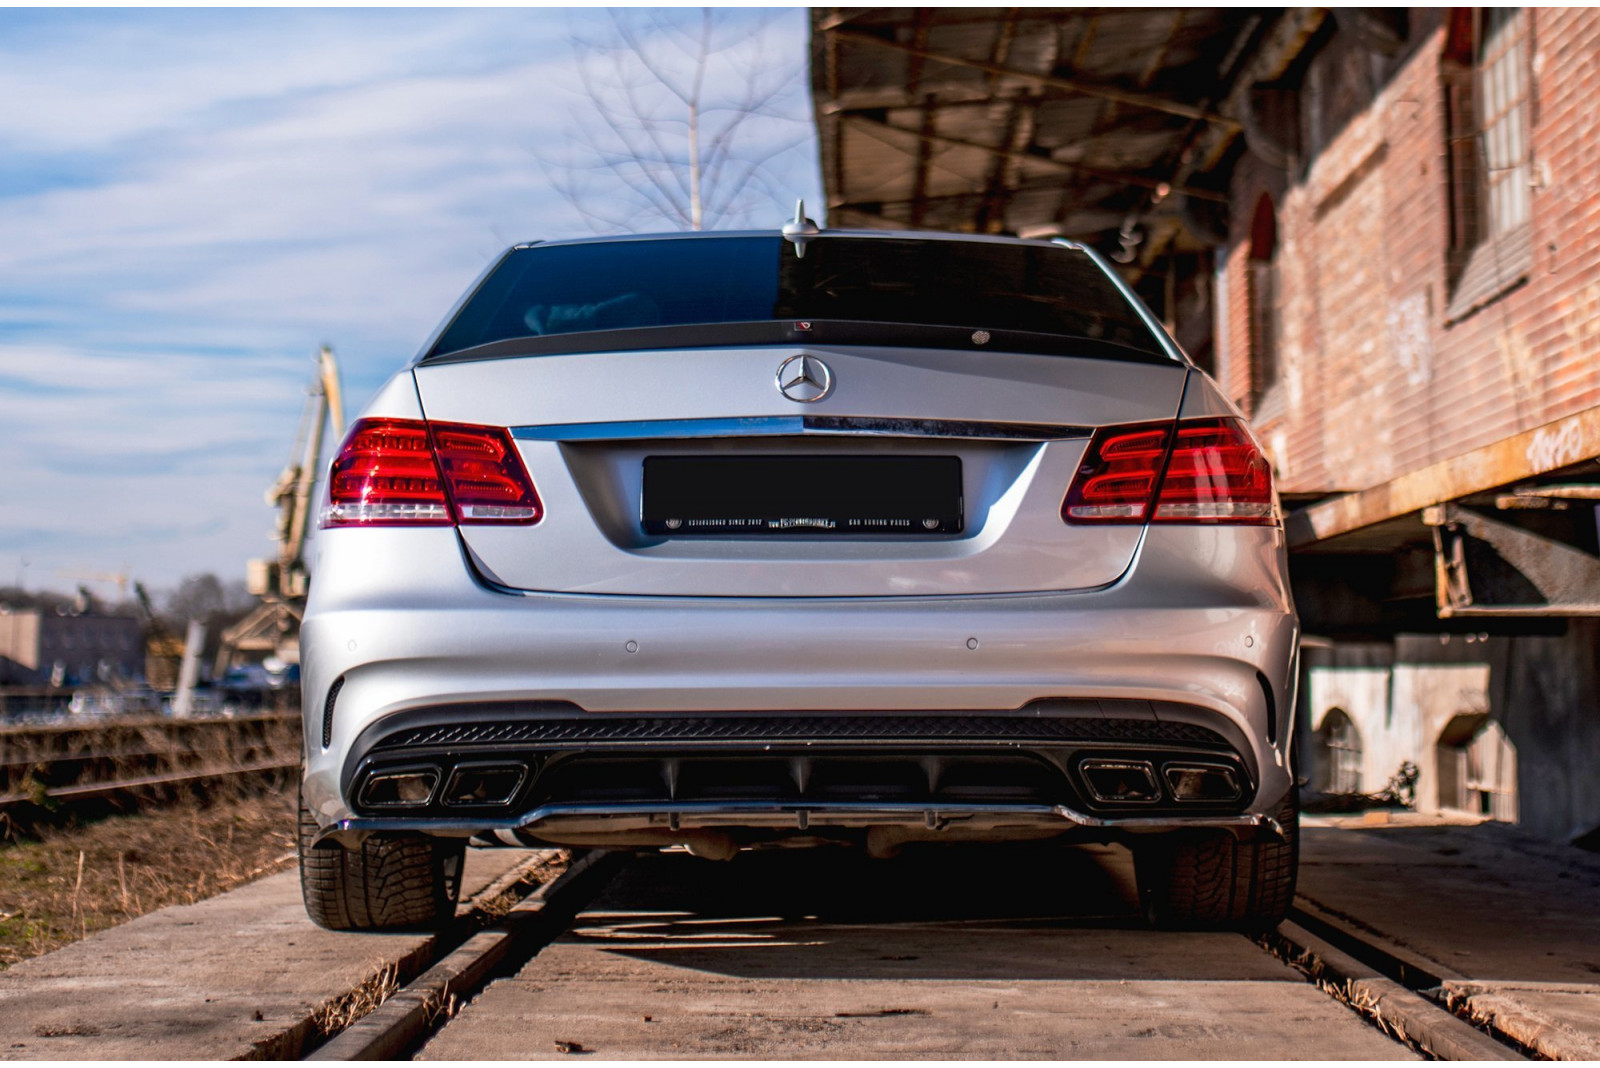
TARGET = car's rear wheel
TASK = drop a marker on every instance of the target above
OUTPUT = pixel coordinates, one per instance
(1212, 879)
(389, 881)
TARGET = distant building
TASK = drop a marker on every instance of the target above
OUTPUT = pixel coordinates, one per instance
(40, 648)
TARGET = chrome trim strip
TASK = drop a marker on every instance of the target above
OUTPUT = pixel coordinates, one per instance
(715, 813)
(755, 426)
(796, 425)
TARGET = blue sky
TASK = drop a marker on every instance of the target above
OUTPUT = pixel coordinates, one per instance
(191, 201)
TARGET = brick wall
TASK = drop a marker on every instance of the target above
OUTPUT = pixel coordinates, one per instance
(1374, 381)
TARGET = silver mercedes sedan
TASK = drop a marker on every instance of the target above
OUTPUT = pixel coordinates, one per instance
(756, 540)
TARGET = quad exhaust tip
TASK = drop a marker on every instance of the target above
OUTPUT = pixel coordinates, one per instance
(1121, 780)
(1134, 781)
(485, 784)
(479, 784)
(400, 788)
(1202, 782)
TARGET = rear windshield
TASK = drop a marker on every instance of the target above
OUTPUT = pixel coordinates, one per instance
(737, 290)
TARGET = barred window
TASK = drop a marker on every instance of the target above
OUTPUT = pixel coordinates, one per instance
(1502, 84)
(1487, 82)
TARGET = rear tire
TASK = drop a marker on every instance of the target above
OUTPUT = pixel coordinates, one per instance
(1212, 879)
(388, 882)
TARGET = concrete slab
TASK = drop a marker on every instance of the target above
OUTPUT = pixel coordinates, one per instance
(956, 954)
(238, 975)
(1507, 920)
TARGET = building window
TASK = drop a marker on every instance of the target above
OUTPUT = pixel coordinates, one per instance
(1341, 754)
(1488, 89)
(1266, 301)
(1502, 87)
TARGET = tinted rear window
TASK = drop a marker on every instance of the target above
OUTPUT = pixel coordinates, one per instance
(1031, 292)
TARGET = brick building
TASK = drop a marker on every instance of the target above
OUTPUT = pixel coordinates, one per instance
(1408, 308)
(1398, 294)
(1379, 229)
(39, 648)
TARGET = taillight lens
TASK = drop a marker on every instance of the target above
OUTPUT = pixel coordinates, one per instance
(406, 472)
(385, 474)
(483, 474)
(1118, 475)
(1193, 471)
(1216, 475)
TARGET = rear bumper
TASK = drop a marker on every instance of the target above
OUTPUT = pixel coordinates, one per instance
(1200, 632)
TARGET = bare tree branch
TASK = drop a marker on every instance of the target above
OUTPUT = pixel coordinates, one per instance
(682, 119)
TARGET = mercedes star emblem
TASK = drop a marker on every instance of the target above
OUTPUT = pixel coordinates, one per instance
(804, 378)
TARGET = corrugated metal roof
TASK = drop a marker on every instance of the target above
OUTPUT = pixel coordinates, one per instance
(1032, 120)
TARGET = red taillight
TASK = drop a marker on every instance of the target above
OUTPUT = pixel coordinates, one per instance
(1194, 471)
(393, 472)
(385, 474)
(1216, 475)
(484, 474)
(1118, 474)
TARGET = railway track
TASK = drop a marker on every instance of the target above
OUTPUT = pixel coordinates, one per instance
(54, 765)
(793, 956)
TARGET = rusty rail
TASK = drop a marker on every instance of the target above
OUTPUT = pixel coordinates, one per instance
(57, 763)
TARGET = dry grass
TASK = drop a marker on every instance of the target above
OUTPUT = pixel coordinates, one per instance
(1355, 998)
(341, 1012)
(70, 882)
(491, 905)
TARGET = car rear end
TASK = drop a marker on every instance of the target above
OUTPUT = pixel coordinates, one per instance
(732, 541)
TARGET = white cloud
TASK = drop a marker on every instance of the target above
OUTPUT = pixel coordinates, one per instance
(190, 202)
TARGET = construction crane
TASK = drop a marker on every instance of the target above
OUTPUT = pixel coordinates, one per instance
(120, 578)
(273, 626)
(163, 650)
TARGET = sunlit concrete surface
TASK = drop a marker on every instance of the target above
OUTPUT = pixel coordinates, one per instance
(1507, 920)
(237, 975)
(959, 953)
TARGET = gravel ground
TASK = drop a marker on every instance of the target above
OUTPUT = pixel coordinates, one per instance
(72, 881)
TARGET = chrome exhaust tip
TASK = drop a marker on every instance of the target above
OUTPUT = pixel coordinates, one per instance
(400, 787)
(1202, 782)
(485, 784)
(1120, 781)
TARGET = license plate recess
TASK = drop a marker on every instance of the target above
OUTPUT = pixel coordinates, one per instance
(814, 495)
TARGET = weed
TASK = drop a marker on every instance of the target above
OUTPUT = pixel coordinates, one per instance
(68, 882)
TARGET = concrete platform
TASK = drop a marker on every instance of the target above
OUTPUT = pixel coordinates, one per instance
(965, 953)
(236, 976)
(1509, 922)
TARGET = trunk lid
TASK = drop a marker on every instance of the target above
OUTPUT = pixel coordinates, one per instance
(586, 423)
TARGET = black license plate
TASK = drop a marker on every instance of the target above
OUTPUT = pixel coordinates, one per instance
(902, 495)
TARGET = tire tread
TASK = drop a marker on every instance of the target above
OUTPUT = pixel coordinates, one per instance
(1212, 879)
(387, 882)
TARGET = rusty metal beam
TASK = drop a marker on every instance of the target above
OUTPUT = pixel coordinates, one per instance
(1280, 47)
(1165, 233)
(906, 102)
(1040, 158)
(1557, 444)
(869, 205)
(1016, 137)
(1487, 568)
(1068, 85)
(919, 180)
